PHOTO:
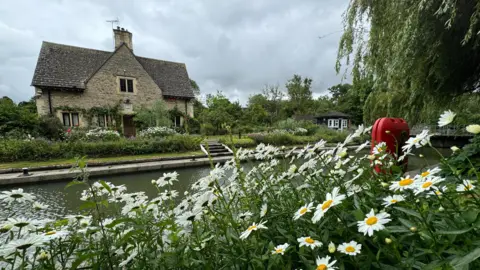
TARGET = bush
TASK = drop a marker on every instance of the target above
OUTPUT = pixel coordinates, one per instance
(156, 132)
(244, 142)
(17, 150)
(51, 128)
(317, 209)
(292, 124)
(100, 134)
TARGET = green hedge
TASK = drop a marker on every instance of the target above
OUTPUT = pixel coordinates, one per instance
(244, 142)
(17, 150)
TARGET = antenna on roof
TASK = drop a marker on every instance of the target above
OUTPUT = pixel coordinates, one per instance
(116, 21)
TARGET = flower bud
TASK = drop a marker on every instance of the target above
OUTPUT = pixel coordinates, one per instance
(43, 255)
(420, 155)
(331, 247)
(388, 241)
(454, 148)
(5, 228)
(154, 182)
(387, 131)
(371, 157)
(413, 229)
(441, 209)
(384, 184)
(342, 154)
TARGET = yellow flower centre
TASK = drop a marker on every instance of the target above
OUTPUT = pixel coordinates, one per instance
(380, 149)
(50, 233)
(468, 187)
(405, 182)
(350, 249)
(322, 267)
(371, 221)
(309, 240)
(278, 250)
(393, 201)
(426, 184)
(251, 228)
(438, 192)
(303, 210)
(425, 174)
(326, 204)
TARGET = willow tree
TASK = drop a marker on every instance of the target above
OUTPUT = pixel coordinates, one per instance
(421, 54)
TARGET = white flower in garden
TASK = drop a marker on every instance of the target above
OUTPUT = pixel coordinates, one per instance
(403, 184)
(39, 206)
(280, 249)
(16, 195)
(475, 129)
(373, 222)
(325, 264)
(389, 200)
(309, 242)
(454, 148)
(263, 210)
(331, 247)
(22, 222)
(167, 179)
(446, 118)
(429, 172)
(43, 256)
(425, 184)
(352, 248)
(251, 228)
(132, 254)
(309, 164)
(361, 130)
(319, 145)
(303, 210)
(362, 146)
(245, 215)
(418, 141)
(437, 191)
(332, 199)
(466, 185)
(380, 148)
(51, 235)
(22, 244)
(352, 188)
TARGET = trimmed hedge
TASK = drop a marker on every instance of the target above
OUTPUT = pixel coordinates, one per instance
(17, 150)
(244, 142)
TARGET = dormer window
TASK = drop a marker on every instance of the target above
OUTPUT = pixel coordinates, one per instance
(126, 85)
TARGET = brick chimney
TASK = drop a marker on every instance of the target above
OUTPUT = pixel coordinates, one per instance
(122, 36)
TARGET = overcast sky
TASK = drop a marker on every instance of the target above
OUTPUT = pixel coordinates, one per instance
(236, 46)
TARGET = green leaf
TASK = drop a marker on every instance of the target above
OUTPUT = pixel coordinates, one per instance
(74, 183)
(406, 223)
(105, 186)
(409, 212)
(397, 229)
(459, 263)
(119, 221)
(87, 205)
(470, 216)
(80, 259)
(462, 231)
(358, 214)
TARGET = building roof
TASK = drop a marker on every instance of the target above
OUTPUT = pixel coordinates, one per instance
(70, 67)
(333, 114)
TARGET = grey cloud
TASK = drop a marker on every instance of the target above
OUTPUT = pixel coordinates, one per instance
(234, 46)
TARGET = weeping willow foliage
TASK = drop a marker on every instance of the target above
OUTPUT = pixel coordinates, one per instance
(419, 55)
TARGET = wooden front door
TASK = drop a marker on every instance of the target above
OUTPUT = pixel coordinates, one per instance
(128, 126)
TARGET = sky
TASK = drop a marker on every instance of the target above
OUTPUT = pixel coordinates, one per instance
(234, 46)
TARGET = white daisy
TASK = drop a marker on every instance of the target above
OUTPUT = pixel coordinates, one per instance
(280, 249)
(403, 184)
(352, 248)
(437, 191)
(263, 210)
(373, 222)
(309, 242)
(429, 172)
(51, 235)
(251, 228)
(418, 141)
(303, 210)
(446, 118)
(475, 129)
(325, 264)
(332, 199)
(16, 195)
(466, 185)
(22, 244)
(362, 146)
(22, 222)
(387, 201)
(380, 148)
(426, 184)
(39, 206)
(245, 215)
(167, 179)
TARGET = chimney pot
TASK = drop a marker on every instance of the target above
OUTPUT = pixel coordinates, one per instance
(122, 36)
(118, 27)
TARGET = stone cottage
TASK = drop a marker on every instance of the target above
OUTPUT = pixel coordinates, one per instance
(86, 87)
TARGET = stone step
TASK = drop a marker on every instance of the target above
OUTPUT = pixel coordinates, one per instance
(218, 150)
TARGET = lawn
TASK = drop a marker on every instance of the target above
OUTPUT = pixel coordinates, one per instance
(32, 164)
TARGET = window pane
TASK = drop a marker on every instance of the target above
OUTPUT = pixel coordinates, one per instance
(123, 86)
(177, 121)
(66, 119)
(75, 119)
(101, 120)
(130, 86)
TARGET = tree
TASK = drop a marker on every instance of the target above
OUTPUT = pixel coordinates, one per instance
(220, 111)
(195, 88)
(300, 95)
(157, 115)
(275, 98)
(418, 52)
(20, 118)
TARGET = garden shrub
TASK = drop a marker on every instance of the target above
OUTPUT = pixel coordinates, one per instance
(51, 128)
(100, 134)
(313, 209)
(243, 142)
(153, 132)
(17, 150)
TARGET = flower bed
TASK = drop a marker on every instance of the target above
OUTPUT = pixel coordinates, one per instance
(322, 209)
(154, 132)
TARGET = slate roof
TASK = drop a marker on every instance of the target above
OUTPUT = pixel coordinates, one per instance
(70, 67)
(333, 114)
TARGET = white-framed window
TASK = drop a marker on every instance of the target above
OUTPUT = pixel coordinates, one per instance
(330, 123)
(344, 123)
(336, 123)
(177, 121)
(126, 85)
(104, 120)
(70, 119)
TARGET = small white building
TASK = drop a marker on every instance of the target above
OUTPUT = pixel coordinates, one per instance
(334, 120)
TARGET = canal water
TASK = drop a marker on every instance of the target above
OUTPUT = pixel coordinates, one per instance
(63, 201)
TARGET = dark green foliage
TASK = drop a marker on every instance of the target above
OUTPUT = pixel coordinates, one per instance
(16, 150)
(51, 128)
(465, 161)
(21, 118)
